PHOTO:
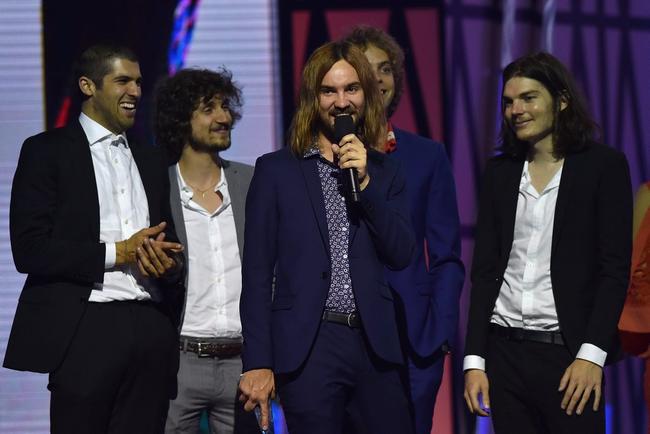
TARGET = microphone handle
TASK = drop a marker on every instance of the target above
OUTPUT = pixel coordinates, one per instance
(353, 184)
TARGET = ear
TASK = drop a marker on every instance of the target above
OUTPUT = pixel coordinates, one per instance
(87, 86)
(564, 101)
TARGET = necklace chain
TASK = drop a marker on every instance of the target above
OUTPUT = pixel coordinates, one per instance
(204, 191)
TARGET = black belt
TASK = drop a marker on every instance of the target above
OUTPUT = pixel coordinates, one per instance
(351, 319)
(518, 334)
(211, 347)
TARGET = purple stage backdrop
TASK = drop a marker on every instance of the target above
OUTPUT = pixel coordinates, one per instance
(605, 44)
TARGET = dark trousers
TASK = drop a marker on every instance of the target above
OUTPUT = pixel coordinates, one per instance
(119, 372)
(524, 379)
(425, 376)
(342, 371)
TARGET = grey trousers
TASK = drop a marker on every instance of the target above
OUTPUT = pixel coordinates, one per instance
(205, 384)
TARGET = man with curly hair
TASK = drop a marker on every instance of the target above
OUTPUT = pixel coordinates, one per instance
(429, 291)
(194, 115)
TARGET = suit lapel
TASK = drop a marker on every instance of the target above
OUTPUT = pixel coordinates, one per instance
(177, 208)
(237, 193)
(510, 189)
(315, 193)
(563, 198)
(85, 169)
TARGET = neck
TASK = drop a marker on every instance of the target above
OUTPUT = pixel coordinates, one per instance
(199, 166)
(542, 151)
(88, 110)
(325, 147)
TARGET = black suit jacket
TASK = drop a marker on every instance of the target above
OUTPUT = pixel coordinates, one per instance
(54, 228)
(590, 253)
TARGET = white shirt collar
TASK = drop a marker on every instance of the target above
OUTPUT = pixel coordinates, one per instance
(95, 132)
(187, 193)
(526, 183)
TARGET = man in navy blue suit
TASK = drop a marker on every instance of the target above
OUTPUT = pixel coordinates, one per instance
(318, 316)
(429, 291)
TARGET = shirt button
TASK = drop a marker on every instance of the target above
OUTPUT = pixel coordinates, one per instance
(346, 286)
(115, 161)
(122, 190)
(126, 222)
(344, 228)
(345, 256)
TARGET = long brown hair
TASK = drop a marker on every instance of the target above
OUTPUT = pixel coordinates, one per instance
(371, 128)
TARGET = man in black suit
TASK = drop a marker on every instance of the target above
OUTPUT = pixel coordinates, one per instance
(551, 261)
(93, 311)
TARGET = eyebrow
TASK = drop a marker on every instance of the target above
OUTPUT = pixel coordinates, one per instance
(126, 77)
(521, 95)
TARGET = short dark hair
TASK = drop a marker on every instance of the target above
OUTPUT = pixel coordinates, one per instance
(177, 97)
(96, 61)
(573, 127)
(364, 36)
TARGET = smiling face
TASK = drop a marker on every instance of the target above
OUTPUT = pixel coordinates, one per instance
(340, 92)
(383, 70)
(528, 108)
(114, 101)
(211, 124)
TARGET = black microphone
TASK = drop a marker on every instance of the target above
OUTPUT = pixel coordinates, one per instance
(344, 125)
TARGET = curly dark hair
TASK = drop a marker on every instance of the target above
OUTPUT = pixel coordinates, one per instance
(364, 36)
(573, 127)
(177, 97)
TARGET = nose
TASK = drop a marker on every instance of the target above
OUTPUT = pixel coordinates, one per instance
(134, 89)
(341, 100)
(517, 107)
(377, 75)
(221, 115)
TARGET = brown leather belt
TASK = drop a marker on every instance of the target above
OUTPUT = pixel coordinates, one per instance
(211, 348)
(351, 319)
(518, 334)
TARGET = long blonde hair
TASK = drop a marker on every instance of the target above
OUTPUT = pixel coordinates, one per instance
(371, 128)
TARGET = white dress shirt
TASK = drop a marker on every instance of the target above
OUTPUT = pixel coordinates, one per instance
(214, 266)
(526, 296)
(123, 210)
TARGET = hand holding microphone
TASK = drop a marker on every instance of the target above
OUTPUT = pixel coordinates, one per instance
(352, 156)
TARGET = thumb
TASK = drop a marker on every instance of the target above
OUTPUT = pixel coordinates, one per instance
(564, 381)
(154, 230)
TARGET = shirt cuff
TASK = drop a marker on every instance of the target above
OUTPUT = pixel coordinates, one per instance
(111, 256)
(473, 362)
(592, 354)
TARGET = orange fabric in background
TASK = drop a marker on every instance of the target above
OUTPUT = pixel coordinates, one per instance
(636, 313)
(634, 325)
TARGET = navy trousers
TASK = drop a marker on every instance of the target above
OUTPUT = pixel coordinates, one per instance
(341, 371)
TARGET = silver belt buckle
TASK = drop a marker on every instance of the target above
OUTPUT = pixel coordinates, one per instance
(199, 351)
(349, 319)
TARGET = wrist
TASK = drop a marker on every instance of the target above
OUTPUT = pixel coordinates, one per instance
(120, 252)
(363, 183)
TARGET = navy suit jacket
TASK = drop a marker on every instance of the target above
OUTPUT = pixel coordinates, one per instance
(286, 267)
(430, 294)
